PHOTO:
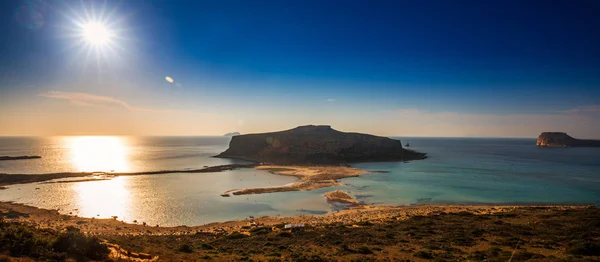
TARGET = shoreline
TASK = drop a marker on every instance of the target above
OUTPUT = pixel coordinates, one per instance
(51, 218)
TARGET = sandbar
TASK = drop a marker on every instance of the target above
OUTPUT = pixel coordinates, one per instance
(310, 178)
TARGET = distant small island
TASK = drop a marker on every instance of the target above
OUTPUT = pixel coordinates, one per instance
(232, 134)
(321, 145)
(560, 139)
(5, 158)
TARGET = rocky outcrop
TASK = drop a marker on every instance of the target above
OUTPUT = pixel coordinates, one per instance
(316, 145)
(340, 196)
(559, 139)
(232, 134)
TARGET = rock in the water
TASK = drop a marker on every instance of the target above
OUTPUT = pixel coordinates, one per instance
(232, 134)
(560, 139)
(316, 145)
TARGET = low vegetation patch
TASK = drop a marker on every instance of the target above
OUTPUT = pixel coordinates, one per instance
(185, 248)
(526, 234)
(584, 248)
(11, 214)
(22, 240)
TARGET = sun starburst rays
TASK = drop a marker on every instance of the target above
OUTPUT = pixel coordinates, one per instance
(96, 34)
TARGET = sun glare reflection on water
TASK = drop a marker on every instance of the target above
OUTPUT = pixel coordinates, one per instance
(99, 153)
(104, 198)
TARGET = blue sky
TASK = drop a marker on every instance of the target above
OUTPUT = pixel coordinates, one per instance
(415, 68)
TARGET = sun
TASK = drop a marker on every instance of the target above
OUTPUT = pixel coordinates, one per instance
(96, 33)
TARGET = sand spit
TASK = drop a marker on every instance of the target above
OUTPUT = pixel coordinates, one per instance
(9, 179)
(311, 177)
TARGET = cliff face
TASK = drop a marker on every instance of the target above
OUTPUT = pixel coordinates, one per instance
(316, 145)
(559, 139)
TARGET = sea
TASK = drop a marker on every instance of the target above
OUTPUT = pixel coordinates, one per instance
(456, 171)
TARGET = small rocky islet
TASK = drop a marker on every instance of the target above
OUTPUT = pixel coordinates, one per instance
(560, 139)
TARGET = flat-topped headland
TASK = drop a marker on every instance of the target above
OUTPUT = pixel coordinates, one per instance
(6, 158)
(316, 145)
(560, 139)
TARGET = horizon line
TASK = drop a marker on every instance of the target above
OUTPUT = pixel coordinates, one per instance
(117, 135)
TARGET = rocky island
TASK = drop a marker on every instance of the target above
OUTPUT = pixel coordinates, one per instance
(320, 145)
(560, 139)
(232, 134)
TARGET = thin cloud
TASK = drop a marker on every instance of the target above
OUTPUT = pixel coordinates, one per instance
(589, 109)
(105, 102)
(331, 100)
(85, 99)
(86, 104)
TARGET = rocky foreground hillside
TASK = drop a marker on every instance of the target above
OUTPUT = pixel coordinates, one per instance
(559, 139)
(316, 145)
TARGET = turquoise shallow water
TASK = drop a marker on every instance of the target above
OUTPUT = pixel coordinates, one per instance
(456, 171)
(484, 171)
